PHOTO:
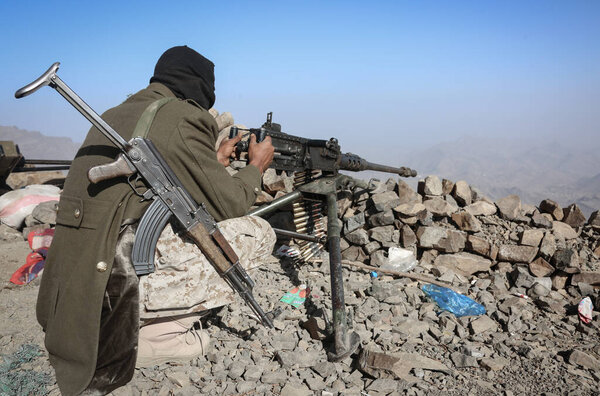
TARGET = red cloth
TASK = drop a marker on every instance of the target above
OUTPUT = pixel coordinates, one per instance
(39, 241)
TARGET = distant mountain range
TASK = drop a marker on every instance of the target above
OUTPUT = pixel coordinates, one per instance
(534, 170)
(34, 145)
(566, 172)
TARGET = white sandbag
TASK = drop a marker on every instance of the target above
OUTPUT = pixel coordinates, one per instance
(18, 204)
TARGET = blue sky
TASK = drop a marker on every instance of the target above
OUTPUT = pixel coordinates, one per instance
(382, 76)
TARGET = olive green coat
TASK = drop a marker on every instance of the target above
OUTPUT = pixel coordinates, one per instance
(74, 300)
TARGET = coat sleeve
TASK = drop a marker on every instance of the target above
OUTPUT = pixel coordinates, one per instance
(206, 179)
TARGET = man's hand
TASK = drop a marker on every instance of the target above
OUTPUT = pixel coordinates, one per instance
(226, 150)
(260, 154)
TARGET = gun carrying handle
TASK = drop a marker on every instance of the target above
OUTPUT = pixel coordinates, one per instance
(42, 81)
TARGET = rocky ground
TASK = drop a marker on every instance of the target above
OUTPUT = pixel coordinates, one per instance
(528, 266)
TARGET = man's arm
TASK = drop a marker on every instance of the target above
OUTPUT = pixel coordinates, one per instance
(194, 159)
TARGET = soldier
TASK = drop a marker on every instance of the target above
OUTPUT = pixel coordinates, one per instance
(91, 302)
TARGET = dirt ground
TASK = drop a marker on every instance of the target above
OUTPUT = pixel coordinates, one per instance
(286, 361)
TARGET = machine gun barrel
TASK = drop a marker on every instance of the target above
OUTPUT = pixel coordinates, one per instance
(353, 162)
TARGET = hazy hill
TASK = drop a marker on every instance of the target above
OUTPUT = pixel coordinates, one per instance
(563, 171)
(34, 145)
(534, 170)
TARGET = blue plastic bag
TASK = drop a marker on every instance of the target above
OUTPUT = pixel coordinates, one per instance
(450, 301)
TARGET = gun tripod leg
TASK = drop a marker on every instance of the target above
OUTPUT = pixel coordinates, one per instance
(344, 343)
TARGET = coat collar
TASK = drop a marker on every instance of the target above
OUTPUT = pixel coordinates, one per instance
(161, 90)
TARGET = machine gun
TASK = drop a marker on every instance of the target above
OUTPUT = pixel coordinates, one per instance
(316, 165)
(298, 154)
(11, 160)
(140, 159)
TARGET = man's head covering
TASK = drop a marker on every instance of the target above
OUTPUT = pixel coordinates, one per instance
(187, 74)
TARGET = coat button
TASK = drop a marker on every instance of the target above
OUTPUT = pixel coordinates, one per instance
(256, 190)
(101, 266)
(77, 213)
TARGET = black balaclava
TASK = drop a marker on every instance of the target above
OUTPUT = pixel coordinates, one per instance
(187, 74)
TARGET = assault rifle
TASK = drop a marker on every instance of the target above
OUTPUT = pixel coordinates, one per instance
(316, 165)
(140, 159)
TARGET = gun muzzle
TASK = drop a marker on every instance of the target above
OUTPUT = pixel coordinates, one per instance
(353, 162)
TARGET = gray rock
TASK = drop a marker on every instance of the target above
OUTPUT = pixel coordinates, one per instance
(324, 369)
(236, 369)
(178, 378)
(381, 234)
(573, 216)
(273, 183)
(382, 290)
(462, 193)
(430, 186)
(495, 364)
(447, 186)
(482, 324)
(376, 186)
(588, 277)
(559, 280)
(481, 208)
(548, 246)
(563, 230)
(45, 212)
(224, 120)
(539, 290)
(516, 253)
(439, 207)
(382, 219)
(245, 387)
(291, 389)
(551, 207)
(539, 220)
(371, 247)
(384, 201)
(411, 327)
(594, 219)
(465, 221)
(383, 385)
(405, 193)
(410, 209)
(510, 207)
(584, 360)
(407, 236)
(461, 360)
(283, 342)
(443, 239)
(358, 237)
(477, 245)
(274, 377)
(540, 267)
(531, 237)
(451, 200)
(378, 258)
(463, 263)
(521, 278)
(354, 253)
(566, 260)
(354, 223)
